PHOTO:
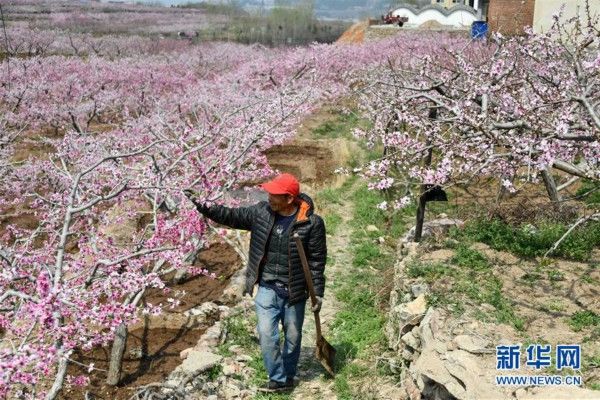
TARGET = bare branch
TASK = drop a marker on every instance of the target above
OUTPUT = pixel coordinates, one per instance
(107, 263)
(580, 221)
(97, 200)
(568, 183)
(590, 109)
(569, 168)
(13, 293)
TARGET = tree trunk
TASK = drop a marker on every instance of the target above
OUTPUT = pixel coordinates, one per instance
(58, 379)
(116, 356)
(551, 187)
(420, 215)
(422, 202)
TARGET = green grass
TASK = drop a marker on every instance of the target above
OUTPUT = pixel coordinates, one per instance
(214, 372)
(588, 363)
(592, 361)
(329, 196)
(584, 319)
(332, 223)
(272, 396)
(341, 125)
(588, 279)
(531, 241)
(237, 334)
(553, 306)
(555, 275)
(589, 192)
(358, 328)
(470, 276)
(472, 259)
(430, 272)
(365, 254)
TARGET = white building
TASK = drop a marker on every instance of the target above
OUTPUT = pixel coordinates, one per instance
(458, 15)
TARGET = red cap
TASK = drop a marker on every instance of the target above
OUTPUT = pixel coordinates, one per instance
(283, 184)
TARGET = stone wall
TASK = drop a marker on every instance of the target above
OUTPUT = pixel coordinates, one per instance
(445, 356)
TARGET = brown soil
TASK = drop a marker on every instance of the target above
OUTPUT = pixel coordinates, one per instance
(151, 354)
(354, 34)
(306, 160)
(529, 204)
(314, 160)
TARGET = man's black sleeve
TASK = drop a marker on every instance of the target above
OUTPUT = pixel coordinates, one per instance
(317, 255)
(236, 218)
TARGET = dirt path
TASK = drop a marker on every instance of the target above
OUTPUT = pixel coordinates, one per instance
(313, 384)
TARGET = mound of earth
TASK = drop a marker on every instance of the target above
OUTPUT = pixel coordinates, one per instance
(354, 34)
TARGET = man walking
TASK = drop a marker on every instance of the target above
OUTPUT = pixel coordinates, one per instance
(274, 264)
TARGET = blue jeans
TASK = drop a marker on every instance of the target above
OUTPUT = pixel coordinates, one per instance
(270, 310)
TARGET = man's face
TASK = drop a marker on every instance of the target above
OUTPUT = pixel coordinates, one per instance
(280, 202)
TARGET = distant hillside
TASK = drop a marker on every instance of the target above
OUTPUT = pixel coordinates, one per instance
(328, 9)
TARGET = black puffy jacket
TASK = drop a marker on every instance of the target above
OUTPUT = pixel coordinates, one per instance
(259, 219)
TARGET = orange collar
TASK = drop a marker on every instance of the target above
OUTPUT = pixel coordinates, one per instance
(303, 211)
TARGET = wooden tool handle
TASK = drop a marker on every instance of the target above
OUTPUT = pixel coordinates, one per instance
(309, 281)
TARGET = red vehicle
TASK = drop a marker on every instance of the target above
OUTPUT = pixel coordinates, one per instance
(389, 19)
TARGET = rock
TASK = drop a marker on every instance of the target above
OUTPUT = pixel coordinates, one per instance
(231, 391)
(381, 240)
(209, 387)
(197, 362)
(443, 374)
(407, 355)
(389, 391)
(520, 392)
(184, 353)
(213, 336)
(205, 310)
(371, 228)
(403, 317)
(413, 309)
(247, 372)
(212, 397)
(235, 349)
(243, 358)
(410, 340)
(418, 289)
(557, 393)
(437, 227)
(412, 391)
(231, 369)
(224, 312)
(472, 344)
(173, 382)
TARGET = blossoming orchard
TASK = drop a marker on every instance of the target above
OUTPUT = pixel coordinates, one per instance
(131, 121)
